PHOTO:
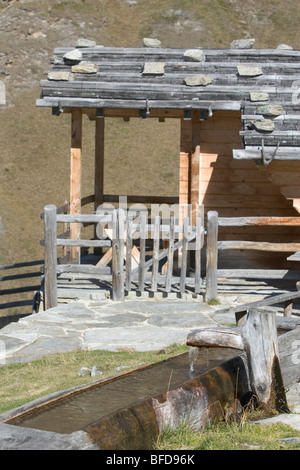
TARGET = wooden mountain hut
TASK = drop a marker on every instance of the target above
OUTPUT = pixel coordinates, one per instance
(239, 133)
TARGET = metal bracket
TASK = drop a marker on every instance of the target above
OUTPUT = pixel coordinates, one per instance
(267, 160)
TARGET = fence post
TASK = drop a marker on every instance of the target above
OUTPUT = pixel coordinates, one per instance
(50, 253)
(118, 255)
(212, 256)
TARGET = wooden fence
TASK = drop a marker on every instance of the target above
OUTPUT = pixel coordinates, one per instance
(171, 246)
(214, 246)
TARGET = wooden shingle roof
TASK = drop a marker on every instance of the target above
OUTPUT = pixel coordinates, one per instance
(264, 84)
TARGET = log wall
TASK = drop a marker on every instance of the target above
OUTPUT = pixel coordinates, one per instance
(239, 188)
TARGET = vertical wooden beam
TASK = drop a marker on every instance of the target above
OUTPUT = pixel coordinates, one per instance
(195, 167)
(184, 167)
(99, 161)
(156, 242)
(129, 246)
(184, 263)
(50, 253)
(75, 178)
(170, 255)
(212, 256)
(143, 235)
(186, 134)
(118, 255)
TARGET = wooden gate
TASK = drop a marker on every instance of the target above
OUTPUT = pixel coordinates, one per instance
(155, 254)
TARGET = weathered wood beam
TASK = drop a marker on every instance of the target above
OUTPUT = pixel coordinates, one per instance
(75, 178)
(118, 256)
(257, 221)
(261, 246)
(212, 256)
(99, 161)
(195, 166)
(50, 253)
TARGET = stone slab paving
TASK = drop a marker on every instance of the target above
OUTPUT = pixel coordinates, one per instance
(134, 324)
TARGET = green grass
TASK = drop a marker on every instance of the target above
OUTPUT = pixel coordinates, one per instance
(22, 383)
(228, 436)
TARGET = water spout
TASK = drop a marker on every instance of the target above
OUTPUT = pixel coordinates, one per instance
(193, 355)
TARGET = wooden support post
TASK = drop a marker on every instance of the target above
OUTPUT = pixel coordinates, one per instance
(184, 175)
(118, 255)
(75, 179)
(195, 167)
(128, 254)
(212, 256)
(143, 235)
(50, 251)
(184, 253)
(198, 246)
(156, 242)
(170, 255)
(258, 338)
(99, 169)
(99, 161)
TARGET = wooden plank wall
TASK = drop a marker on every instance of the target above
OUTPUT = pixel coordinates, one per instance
(285, 175)
(236, 188)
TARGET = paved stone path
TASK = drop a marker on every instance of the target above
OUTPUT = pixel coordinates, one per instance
(134, 324)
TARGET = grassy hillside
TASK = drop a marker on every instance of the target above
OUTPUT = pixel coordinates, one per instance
(35, 150)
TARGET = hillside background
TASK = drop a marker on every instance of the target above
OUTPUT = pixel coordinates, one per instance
(35, 145)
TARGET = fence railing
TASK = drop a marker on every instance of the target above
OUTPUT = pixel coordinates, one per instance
(214, 245)
(160, 243)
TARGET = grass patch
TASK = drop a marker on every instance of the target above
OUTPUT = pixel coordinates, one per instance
(213, 302)
(228, 436)
(22, 383)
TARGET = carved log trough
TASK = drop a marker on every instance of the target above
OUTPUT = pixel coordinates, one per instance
(130, 411)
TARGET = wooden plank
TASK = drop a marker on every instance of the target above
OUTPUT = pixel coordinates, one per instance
(198, 247)
(195, 166)
(75, 178)
(241, 201)
(128, 254)
(118, 255)
(156, 243)
(142, 268)
(50, 253)
(258, 221)
(261, 246)
(285, 274)
(288, 343)
(170, 262)
(99, 165)
(84, 218)
(212, 256)
(83, 243)
(184, 261)
(82, 269)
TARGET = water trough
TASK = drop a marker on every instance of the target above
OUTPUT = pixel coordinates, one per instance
(129, 411)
